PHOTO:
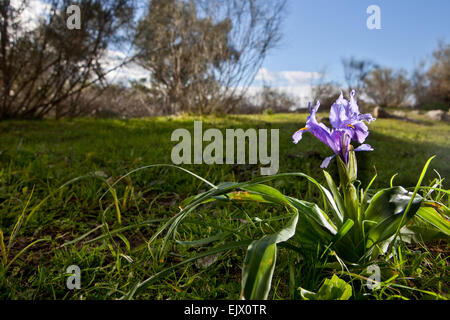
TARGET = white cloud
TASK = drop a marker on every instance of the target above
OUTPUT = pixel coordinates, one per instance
(295, 83)
(294, 77)
(298, 91)
(31, 14)
(301, 93)
(265, 75)
(287, 78)
(123, 74)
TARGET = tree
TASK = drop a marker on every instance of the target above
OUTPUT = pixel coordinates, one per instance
(324, 91)
(179, 48)
(43, 66)
(439, 76)
(355, 71)
(202, 55)
(386, 87)
(276, 100)
(430, 83)
(420, 85)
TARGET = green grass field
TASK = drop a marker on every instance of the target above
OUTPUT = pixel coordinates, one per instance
(82, 224)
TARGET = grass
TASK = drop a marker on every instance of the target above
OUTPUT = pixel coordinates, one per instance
(76, 225)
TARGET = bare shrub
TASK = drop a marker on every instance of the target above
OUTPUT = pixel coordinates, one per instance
(387, 87)
(42, 66)
(202, 55)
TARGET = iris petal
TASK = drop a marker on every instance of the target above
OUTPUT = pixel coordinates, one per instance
(360, 132)
(353, 108)
(366, 117)
(319, 130)
(338, 112)
(364, 147)
(326, 161)
(297, 136)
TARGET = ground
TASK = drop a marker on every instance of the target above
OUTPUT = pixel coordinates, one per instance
(105, 231)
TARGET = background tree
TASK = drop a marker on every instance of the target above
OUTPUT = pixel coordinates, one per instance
(179, 48)
(430, 83)
(387, 87)
(420, 85)
(439, 76)
(355, 72)
(324, 90)
(202, 55)
(273, 100)
(42, 66)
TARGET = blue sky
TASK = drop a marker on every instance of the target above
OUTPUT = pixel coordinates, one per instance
(320, 33)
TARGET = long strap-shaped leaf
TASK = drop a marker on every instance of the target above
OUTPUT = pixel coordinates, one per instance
(261, 254)
(260, 261)
(219, 190)
(416, 189)
(387, 213)
(431, 216)
(336, 200)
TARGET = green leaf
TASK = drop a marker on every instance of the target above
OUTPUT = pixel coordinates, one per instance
(23, 250)
(347, 172)
(260, 259)
(431, 216)
(258, 269)
(385, 212)
(315, 216)
(363, 202)
(204, 241)
(351, 165)
(337, 199)
(350, 196)
(314, 225)
(343, 230)
(19, 222)
(416, 189)
(125, 241)
(343, 243)
(268, 194)
(332, 289)
(420, 231)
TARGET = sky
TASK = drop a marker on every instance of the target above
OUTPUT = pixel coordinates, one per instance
(318, 34)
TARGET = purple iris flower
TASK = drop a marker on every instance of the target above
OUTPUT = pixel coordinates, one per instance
(347, 125)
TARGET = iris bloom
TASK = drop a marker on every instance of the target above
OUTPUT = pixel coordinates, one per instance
(347, 125)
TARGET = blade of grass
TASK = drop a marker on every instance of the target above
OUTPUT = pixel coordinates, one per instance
(159, 275)
(416, 189)
(25, 249)
(19, 222)
(2, 247)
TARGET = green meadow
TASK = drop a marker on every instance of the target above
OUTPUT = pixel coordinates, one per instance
(60, 180)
